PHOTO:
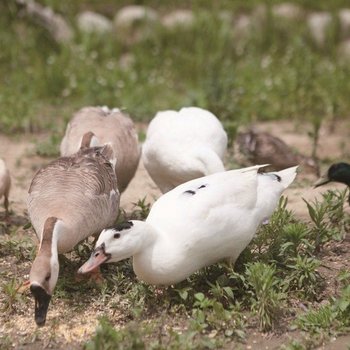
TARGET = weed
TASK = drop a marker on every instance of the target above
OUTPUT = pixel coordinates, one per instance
(141, 209)
(108, 338)
(267, 299)
(295, 240)
(12, 295)
(50, 147)
(267, 243)
(304, 277)
(328, 218)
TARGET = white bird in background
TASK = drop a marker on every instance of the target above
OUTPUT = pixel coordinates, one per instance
(181, 146)
(194, 225)
(105, 126)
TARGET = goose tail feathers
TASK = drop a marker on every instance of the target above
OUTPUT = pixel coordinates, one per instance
(287, 176)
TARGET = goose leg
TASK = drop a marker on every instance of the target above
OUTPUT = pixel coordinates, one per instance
(6, 205)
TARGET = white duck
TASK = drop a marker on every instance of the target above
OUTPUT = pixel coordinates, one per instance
(69, 199)
(194, 225)
(5, 185)
(181, 146)
(105, 126)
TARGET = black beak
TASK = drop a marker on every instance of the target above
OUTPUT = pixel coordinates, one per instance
(42, 301)
(322, 181)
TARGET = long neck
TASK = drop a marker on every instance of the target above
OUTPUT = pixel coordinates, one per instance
(210, 160)
(45, 267)
(145, 234)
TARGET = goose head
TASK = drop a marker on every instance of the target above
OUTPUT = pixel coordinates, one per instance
(44, 272)
(117, 243)
(338, 172)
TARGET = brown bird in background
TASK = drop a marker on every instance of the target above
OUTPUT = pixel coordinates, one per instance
(254, 147)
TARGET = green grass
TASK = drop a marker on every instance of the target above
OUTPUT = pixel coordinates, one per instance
(275, 72)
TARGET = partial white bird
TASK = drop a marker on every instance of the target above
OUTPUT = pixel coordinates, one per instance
(105, 126)
(5, 185)
(194, 225)
(69, 199)
(181, 146)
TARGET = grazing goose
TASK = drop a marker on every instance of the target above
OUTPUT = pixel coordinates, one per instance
(5, 184)
(69, 199)
(338, 172)
(105, 126)
(196, 224)
(181, 146)
(254, 147)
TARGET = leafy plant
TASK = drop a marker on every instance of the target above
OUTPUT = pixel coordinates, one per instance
(108, 338)
(267, 299)
(267, 243)
(328, 218)
(303, 277)
(12, 295)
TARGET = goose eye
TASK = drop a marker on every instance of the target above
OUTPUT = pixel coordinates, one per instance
(117, 235)
(48, 276)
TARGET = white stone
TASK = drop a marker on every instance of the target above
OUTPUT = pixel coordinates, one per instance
(90, 22)
(242, 26)
(130, 15)
(344, 49)
(344, 20)
(318, 23)
(178, 18)
(287, 11)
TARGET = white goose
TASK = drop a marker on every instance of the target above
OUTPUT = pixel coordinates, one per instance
(181, 146)
(105, 126)
(5, 185)
(194, 225)
(69, 199)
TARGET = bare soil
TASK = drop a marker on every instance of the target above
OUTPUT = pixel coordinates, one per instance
(68, 326)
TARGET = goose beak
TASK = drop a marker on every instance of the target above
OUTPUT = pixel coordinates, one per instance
(97, 258)
(322, 180)
(42, 301)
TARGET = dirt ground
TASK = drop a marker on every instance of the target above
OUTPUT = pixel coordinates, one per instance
(19, 155)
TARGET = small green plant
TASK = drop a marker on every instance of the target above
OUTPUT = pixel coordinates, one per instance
(331, 318)
(267, 299)
(108, 338)
(141, 209)
(50, 147)
(295, 240)
(328, 218)
(12, 295)
(266, 244)
(303, 277)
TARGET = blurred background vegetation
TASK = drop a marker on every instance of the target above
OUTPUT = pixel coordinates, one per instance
(273, 70)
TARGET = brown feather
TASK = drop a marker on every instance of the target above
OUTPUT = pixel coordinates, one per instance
(111, 127)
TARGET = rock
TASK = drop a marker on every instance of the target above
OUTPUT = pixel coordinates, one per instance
(129, 16)
(92, 22)
(134, 23)
(242, 26)
(287, 11)
(344, 21)
(318, 23)
(178, 18)
(344, 49)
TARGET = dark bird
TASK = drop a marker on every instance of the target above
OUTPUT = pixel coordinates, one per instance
(254, 147)
(338, 172)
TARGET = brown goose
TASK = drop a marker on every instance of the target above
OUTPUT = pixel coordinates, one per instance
(254, 147)
(69, 199)
(105, 126)
(5, 184)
